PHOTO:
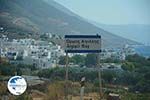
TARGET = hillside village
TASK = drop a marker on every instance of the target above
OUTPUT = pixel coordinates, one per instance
(44, 54)
(39, 53)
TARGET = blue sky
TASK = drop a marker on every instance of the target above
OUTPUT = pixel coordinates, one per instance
(111, 11)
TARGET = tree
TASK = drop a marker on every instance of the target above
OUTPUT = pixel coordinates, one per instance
(62, 60)
(128, 78)
(135, 58)
(90, 60)
(78, 59)
(128, 66)
(109, 76)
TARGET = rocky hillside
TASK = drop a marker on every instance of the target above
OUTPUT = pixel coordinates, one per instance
(39, 16)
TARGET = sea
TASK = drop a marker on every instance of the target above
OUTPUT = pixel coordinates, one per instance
(142, 50)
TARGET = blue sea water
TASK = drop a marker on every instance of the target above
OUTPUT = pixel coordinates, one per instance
(143, 50)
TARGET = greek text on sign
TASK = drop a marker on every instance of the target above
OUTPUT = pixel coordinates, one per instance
(82, 43)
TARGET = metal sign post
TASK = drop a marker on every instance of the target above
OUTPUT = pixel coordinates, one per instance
(99, 76)
(66, 78)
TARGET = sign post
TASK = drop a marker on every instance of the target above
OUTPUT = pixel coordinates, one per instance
(66, 78)
(83, 44)
(99, 76)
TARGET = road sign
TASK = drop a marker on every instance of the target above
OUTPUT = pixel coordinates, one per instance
(82, 43)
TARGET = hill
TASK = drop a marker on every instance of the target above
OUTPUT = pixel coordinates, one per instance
(38, 16)
(135, 32)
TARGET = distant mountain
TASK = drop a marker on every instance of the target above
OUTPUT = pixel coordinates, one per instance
(135, 32)
(39, 16)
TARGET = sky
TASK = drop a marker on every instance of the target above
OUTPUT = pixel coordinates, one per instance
(111, 11)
